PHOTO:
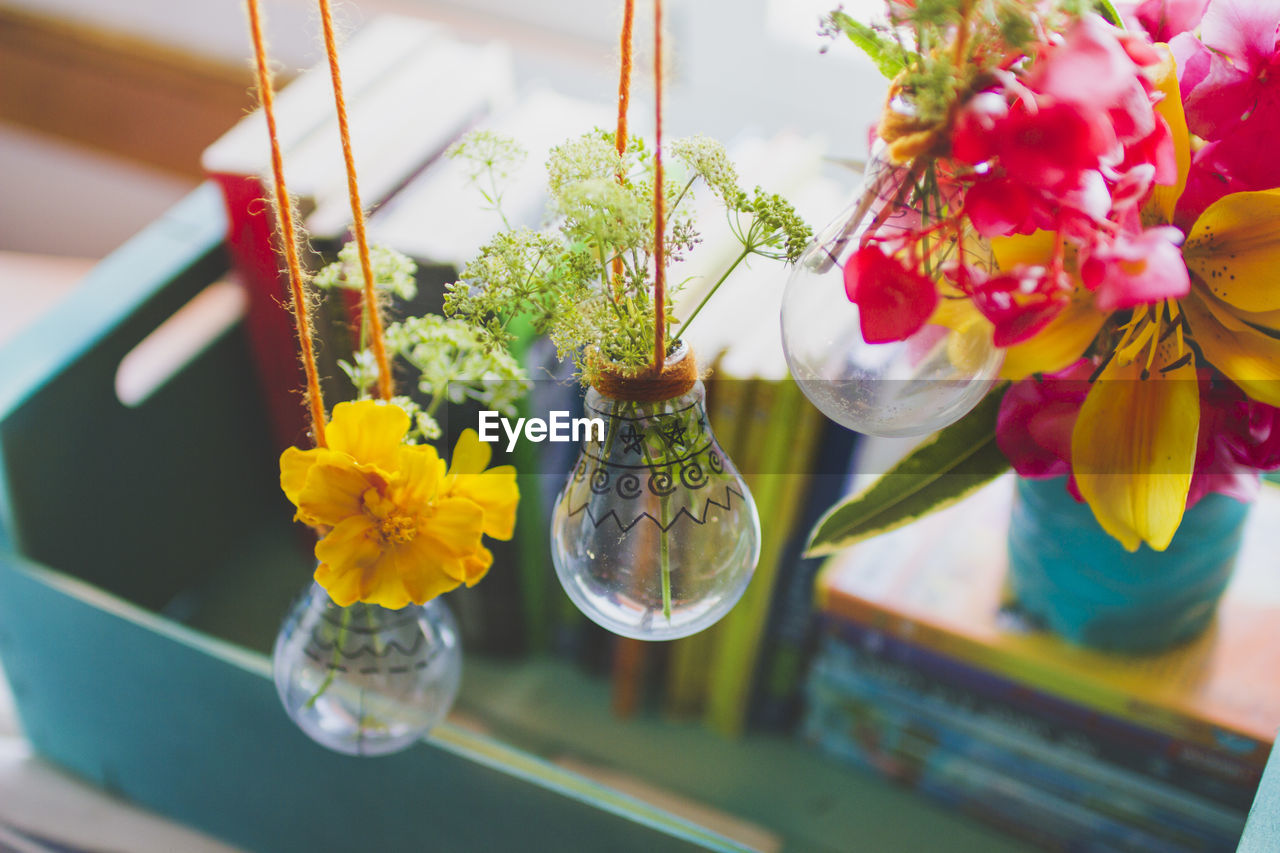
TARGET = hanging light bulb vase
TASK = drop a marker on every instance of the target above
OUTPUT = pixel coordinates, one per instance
(903, 388)
(365, 680)
(655, 534)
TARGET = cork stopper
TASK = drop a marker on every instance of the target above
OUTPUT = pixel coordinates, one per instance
(644, 386)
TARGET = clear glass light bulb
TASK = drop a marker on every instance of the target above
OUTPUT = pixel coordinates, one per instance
(904, 388)
(365, 680)
(655, 535)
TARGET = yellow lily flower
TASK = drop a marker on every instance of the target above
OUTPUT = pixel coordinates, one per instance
(398, 528)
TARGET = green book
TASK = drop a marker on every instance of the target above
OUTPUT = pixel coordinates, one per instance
(786, 445)
(728, 401)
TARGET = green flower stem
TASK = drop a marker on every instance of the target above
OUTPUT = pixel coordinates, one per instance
(680, 197)
(337, 655)
(612, 300)
(374, 636)
(664, 555)
(664, 543)
(684, 327)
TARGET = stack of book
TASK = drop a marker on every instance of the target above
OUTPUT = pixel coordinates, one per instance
(929, 675)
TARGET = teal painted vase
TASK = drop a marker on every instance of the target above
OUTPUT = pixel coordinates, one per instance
(1067, 573)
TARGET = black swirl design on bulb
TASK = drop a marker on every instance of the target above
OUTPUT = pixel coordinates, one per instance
(628, 486)
(693, 475)
(661, 483)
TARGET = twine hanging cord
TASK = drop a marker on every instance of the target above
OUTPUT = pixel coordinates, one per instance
(663, 379)
(288, 235)
(372, 315)
(659, 213)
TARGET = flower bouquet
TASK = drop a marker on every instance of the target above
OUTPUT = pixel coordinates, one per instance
(1095, 203)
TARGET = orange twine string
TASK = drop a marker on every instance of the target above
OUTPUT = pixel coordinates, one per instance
(624, 75)
(624, 104)
(288, 234)
(371, 312)
(659, 215)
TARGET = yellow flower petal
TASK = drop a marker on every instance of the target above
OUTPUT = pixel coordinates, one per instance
(343, 587)
(1032, 249)
(294, 465)
(1246, 356)
(470, 454)
(477, 565)
(455, 527)
(424, 585)
(1133, 449)
(346, 555)
(496, 492)
(421, 470)
(369, 431)
(425, 573)
(968, 343)
(333, 490)
(1059, 344)
(1166, 80)
(384, 584)
(1234, 248)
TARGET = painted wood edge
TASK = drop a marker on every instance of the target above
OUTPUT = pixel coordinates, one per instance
(462, 742)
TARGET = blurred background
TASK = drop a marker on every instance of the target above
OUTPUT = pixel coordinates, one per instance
(106, 105)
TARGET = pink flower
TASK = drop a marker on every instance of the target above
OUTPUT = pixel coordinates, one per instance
(1054, 145)
(1134, 269)
(1156, 150)
(974, 132)
(1232, 73)
(1019, 303)
(998, 207)
(1090, 68)
(1220, 169)
(894, 302)
(1036, 419)
(1046, 146)
(1164, 19)
(1238, 438)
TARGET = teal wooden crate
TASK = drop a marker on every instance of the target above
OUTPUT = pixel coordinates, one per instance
(130, 535)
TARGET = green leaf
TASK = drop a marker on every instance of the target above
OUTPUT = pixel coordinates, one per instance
(1109, 13)
(885, 53)
(948, 466)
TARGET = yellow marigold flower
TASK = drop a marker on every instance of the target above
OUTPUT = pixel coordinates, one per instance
(398, 529)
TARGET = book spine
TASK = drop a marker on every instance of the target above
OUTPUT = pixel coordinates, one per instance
(728, 402)
(863, 735)
(1071, 687)
(250, 242)
(1035, 756)
(1162, 758)
(778, 413)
